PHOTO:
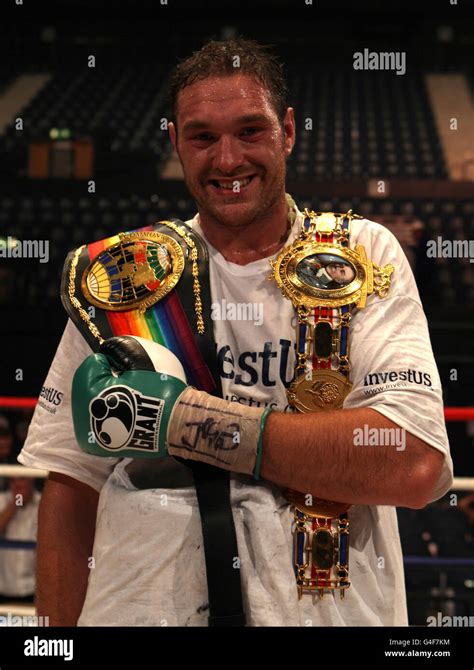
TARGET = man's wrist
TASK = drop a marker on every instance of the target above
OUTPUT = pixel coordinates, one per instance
(222, 433)
(258, 459)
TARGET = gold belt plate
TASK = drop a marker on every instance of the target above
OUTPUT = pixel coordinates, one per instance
(326, 389)
(134, 273)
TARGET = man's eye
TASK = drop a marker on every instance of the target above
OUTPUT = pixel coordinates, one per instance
(202, 136)
(251, 131)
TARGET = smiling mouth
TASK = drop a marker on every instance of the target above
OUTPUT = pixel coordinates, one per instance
(230, 184)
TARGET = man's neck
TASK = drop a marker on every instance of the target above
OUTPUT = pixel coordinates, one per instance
(250, 242)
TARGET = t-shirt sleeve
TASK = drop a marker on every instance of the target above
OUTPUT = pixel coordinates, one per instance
(393, 367)
(51, 443)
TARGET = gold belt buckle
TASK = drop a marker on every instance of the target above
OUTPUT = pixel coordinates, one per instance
(320, 545)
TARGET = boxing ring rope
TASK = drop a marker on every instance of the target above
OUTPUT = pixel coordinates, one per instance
(21, 471)
(459, 483)
(451, 414)
(12, 402)
(17, 609)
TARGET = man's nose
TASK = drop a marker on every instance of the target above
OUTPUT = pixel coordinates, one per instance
(228, 154)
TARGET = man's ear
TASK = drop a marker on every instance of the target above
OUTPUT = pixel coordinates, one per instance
(173, 135)
(290, 131)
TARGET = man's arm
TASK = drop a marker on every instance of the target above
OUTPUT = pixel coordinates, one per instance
(322, 453)
(315, 454)
(66, 527)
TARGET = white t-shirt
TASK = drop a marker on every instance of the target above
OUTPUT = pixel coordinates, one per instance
(148, 550)
(17, 566)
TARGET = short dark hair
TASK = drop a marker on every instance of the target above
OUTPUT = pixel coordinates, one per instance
(218, 58)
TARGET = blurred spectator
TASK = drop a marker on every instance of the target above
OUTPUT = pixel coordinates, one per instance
(6, 447)
(21, 430)
(18, 521)
(451, 526)
(466, 505)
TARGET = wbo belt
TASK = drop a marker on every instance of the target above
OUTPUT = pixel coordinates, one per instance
(154, 283)
(326, 280)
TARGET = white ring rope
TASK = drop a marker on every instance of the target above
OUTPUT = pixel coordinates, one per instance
(21, 471)
(459, 483)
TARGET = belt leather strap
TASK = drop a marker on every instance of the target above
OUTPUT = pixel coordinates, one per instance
(220, 546)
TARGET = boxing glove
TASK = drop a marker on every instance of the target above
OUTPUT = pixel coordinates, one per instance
(131, 400)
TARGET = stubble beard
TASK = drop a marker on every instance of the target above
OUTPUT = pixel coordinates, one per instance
(267, 198)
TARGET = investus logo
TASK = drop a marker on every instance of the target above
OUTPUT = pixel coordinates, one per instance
(50, 399)
(384, 380)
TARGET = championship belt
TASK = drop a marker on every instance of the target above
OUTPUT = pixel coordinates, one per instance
(154, 283)
(325, 280)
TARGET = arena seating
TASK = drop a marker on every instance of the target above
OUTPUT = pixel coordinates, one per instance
(122, 104)
(7, 75)
(378, 126)
(370, 126)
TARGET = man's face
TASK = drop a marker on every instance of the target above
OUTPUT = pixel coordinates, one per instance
(338, 272)
(228, 134)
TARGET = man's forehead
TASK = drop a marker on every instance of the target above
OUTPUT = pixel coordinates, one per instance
(215, 95)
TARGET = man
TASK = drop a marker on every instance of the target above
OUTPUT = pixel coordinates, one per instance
(335, 273)
(6, 447)
(340, 273)
(18, 521)
(233, 132)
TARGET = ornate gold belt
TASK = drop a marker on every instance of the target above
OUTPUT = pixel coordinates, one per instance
(325, 280)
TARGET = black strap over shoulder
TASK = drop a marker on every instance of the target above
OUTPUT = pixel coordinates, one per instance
(220, 545)
(212, 484)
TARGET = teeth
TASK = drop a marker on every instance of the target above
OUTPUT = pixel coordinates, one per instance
(230, 185)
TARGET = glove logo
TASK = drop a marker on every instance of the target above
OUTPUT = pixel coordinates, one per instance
(122, 418)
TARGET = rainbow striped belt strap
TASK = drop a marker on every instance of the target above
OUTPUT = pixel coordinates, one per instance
(153, 283)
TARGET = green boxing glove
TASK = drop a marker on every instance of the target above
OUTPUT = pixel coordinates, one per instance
(131, 400)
